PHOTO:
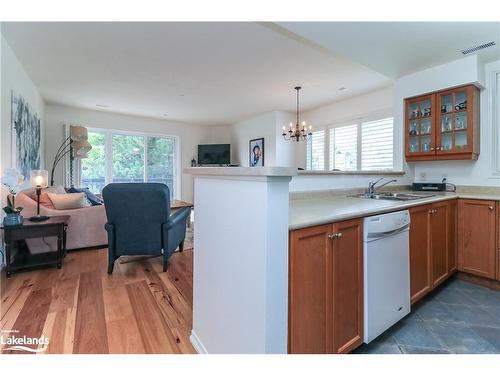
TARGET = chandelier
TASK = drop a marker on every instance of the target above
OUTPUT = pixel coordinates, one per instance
(297, 133)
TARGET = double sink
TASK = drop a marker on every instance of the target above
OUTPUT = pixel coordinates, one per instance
(391, 196)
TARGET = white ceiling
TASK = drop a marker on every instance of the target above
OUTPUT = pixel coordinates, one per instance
(398, 48)
(202, 73)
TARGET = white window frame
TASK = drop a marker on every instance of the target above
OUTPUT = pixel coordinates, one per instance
(108, 155)
(357, 121)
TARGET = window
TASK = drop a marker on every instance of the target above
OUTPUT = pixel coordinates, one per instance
(93, 168)
(344, 148)
(316, 151)
(118, 157)
(377, 145)
(357, 146)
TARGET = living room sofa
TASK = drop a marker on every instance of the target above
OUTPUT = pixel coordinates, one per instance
(85, 226)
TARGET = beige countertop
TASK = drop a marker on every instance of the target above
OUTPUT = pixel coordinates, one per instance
(242, 171)
(328, 209)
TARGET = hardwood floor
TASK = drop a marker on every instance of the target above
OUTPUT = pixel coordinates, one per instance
(82, 309)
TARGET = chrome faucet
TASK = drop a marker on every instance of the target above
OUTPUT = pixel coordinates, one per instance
(371, 186)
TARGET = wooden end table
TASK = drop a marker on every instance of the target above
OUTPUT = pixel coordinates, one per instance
(176, 204)
(54, 226)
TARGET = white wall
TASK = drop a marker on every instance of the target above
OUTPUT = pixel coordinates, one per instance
(460, 72)
(371, 105)
(189, 135)
(261, 126)
(269, 126)
(14, 79)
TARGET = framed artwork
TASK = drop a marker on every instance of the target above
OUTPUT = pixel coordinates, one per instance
(25, 125)
(256, 152)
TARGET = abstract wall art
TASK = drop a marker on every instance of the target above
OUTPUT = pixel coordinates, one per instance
(26, 136)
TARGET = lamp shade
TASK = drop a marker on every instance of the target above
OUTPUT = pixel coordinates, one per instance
(81, 148)
(78, 133)
(39, 178)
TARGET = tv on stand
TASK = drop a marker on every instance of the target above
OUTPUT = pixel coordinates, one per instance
(214, 154)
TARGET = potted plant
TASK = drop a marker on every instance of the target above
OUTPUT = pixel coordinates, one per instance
(13, 180)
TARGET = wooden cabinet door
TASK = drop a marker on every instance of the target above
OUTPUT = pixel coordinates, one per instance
(439, 242)
(476, 246)
(420, 127)
(310, 291)
(420, 263)
(452, 236)
(347, 286)
(498, 241)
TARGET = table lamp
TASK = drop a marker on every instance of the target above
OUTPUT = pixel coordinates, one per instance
(39, 179)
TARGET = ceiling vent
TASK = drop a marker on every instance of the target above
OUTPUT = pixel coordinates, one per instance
(470, 50)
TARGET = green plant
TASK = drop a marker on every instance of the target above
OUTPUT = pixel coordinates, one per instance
(11, 207)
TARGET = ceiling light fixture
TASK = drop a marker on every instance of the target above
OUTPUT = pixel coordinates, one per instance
(297, 133)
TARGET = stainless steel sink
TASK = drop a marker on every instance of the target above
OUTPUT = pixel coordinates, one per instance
(394, 196)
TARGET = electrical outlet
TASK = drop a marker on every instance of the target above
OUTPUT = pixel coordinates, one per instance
(423, 176)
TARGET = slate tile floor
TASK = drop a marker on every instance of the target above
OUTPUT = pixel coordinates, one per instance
(459, 317)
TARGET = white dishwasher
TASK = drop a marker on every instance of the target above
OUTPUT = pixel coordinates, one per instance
(386, 271)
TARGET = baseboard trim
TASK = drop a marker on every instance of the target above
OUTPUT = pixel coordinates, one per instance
(197, 344)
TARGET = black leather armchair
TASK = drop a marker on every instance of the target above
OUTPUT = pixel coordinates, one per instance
(139, 221)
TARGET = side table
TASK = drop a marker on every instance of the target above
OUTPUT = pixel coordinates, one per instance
(55, 226)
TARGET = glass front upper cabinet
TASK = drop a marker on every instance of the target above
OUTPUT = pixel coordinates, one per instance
(454, 135)
(443, 125)
(420, 127)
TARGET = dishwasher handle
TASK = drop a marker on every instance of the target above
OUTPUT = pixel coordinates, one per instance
(376, 236)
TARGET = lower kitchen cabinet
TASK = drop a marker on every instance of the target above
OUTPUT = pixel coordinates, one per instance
(432, 246)
(439, 242)
(498, 241)
(477, 247)
(452, 236)
(420, 257)
(326, 288)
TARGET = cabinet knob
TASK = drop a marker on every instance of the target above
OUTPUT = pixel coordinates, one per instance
(491, 208)
(335, 236)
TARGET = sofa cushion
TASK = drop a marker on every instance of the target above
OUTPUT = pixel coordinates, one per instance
(93, 199)
(69, 201)
(44, 197)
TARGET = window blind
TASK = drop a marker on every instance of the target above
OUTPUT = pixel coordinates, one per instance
(316, 151)
(344, 148)
(377, 144)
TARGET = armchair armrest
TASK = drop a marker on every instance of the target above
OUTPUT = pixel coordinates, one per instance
(174, 230)
(177, 218)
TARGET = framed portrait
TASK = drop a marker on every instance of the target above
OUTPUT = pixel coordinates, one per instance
(256, 152)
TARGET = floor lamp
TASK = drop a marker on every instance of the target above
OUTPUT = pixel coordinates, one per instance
(76, 145)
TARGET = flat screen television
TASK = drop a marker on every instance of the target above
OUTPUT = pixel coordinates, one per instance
(214, 154)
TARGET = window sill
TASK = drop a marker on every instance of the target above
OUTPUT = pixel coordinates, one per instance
(351, 173)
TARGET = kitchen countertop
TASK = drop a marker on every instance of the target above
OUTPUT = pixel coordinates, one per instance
(323, 210)
(242, 171)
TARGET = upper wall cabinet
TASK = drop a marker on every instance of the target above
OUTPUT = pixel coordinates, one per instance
(443, 125)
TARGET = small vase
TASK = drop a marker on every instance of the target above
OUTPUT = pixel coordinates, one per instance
(12, 220)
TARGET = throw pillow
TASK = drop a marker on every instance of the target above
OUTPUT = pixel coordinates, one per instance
(44, 197)
(93, 199)
(69, 201)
